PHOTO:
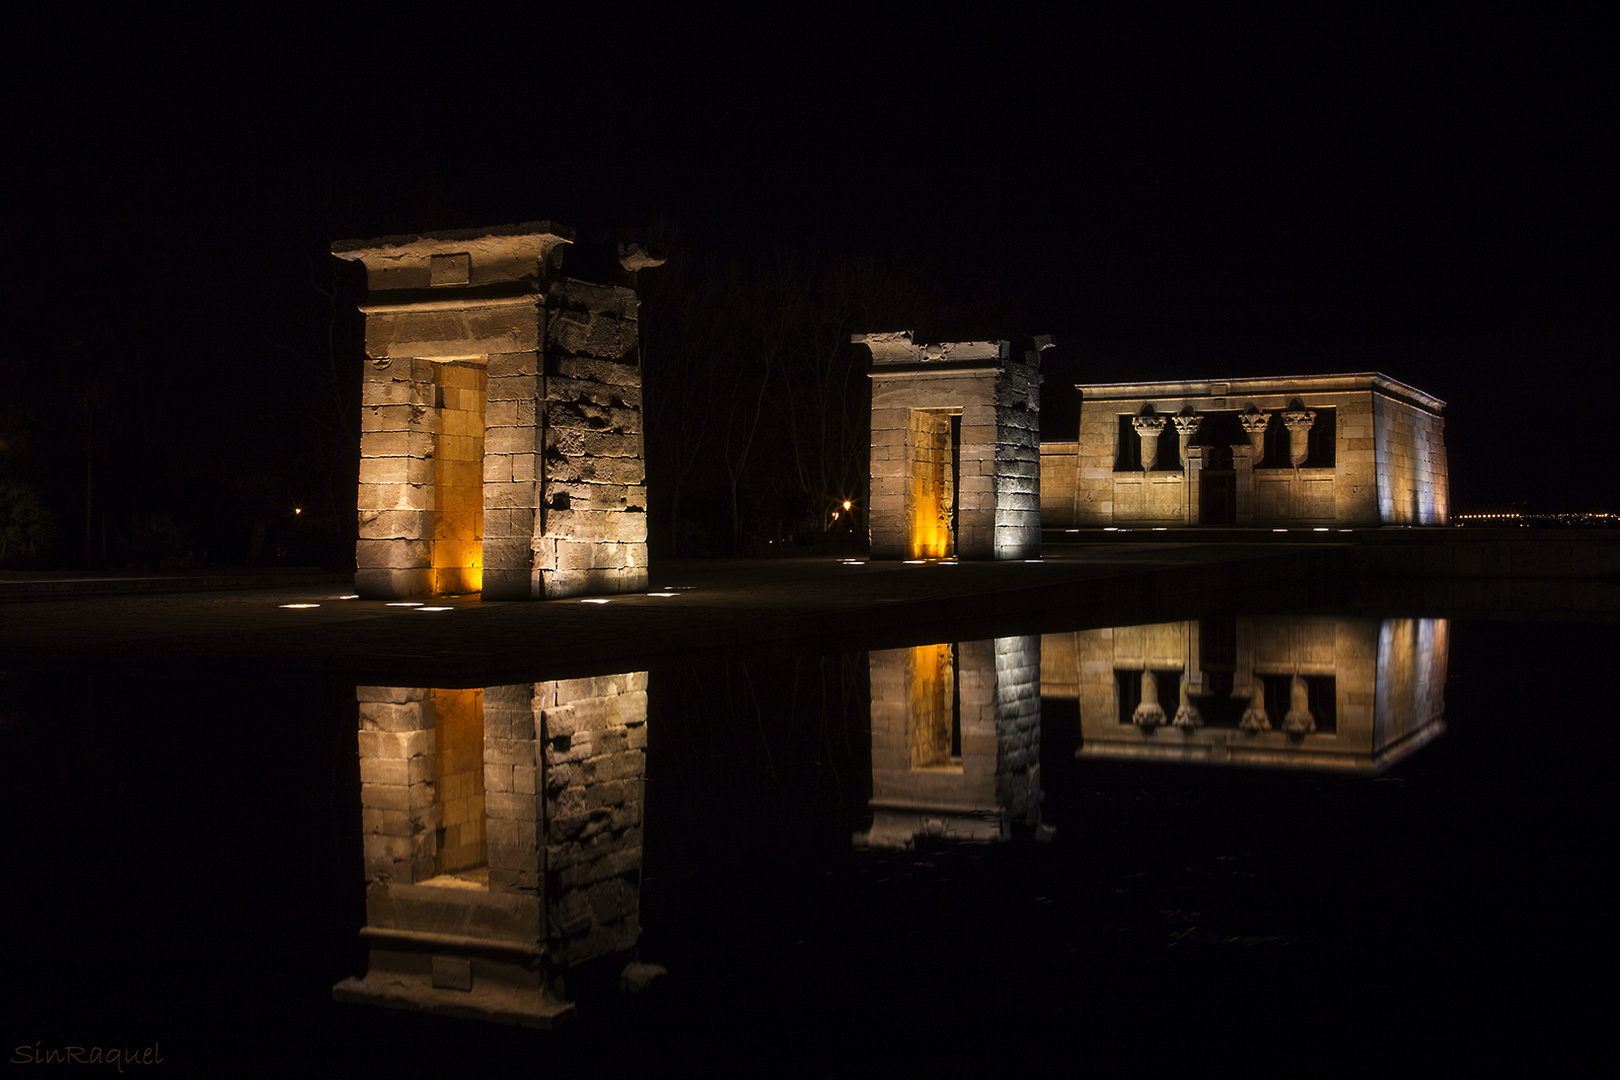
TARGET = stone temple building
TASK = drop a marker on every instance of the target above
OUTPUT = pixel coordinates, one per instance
(1356, 450)
(955, 448)
(1319, 692)
(501, 437)
(502, 843)
(956, 742)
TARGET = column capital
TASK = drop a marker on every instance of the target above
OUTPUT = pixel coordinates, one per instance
(1255, 423)
(1148, 425)
(1299, 419)
(1187, 425)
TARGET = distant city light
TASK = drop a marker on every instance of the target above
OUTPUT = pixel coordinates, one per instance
(1526, 520)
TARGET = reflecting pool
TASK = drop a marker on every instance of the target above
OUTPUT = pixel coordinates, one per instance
(1206, 842)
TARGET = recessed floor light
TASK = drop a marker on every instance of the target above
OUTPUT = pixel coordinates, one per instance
(435, 609)
(300, 605)
(404, 603)
(596, 600)
(663, 594)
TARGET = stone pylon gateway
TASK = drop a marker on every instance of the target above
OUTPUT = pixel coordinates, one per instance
(955, 465)
(501, 434)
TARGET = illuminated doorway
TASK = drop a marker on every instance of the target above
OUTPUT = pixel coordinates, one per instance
(933, 487)
(460, 391)
(934, 736)
(462, 846)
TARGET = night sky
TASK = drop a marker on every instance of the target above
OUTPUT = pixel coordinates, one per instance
(1427, 195)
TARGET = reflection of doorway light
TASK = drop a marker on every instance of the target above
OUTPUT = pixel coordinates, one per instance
(935, 729)
(462, 848)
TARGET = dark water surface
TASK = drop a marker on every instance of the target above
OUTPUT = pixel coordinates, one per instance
(186, 869)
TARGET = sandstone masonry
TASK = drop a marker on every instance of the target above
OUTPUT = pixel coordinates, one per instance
(1357, 450)
(502, 841)
(956, 738)
(501, 429)
(955, 448)
(1312, 692)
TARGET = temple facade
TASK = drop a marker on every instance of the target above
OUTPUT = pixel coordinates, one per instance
(956, 741)
(502, 842)
(955, 448)
(1319, 692)
(501, 437)
(1357, 450)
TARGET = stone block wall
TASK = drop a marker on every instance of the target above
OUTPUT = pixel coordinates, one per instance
(988, 691)
(1412, 659)
(484, 351)
(1413, 482)
(898, 459)
(1298, 497)
(1018, 727)
(993, 398)
(1018, 454)
(1060, 482)
(1380, 713)
(555, 772)
(592, 535)
(398, 817)
(1388, 456)
(514, 816)
(1154, 498)
(594, 739)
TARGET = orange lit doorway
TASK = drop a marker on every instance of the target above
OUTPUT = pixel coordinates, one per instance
(933, 488)
(462, 850)
(458, 477)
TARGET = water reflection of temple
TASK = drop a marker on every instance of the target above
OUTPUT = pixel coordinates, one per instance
(502, 842)
(1316, 692)
(956, 733)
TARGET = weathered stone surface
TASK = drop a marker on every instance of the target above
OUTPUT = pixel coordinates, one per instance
(954, 444)
(480, 408)
(1382, 471)
(1382, 683)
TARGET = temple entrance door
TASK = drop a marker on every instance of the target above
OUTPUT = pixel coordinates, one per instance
(932, 486)
(1217, 497)
(458, 477)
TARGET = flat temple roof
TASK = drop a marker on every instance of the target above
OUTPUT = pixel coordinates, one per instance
(1277, 384)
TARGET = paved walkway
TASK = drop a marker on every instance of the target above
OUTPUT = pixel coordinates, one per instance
(814, 604)
(797, 604)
